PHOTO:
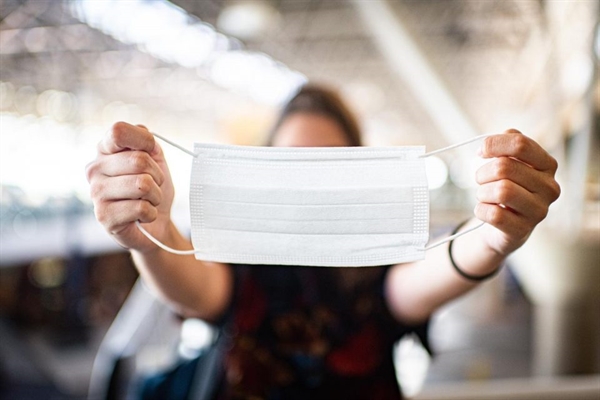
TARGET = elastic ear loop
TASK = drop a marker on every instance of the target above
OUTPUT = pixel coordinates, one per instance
(191, 153)
(458, 234)
(148, 234)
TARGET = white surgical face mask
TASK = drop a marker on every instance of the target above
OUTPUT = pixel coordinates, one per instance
(334, 206)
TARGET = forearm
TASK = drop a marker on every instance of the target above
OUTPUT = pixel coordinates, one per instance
(193, 288)
(414, 291)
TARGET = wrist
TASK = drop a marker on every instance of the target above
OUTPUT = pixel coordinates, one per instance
(479, 277)
(471, 256)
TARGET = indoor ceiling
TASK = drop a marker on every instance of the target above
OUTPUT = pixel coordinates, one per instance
(500, 62)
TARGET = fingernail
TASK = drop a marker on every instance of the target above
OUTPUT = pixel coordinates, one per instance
(480, 151)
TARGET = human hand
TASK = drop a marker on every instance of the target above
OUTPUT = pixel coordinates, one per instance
(516, 189)
(130, 181)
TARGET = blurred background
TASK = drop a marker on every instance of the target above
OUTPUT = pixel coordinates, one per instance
(430, 72)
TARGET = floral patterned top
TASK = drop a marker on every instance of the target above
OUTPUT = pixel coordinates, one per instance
(310, 333)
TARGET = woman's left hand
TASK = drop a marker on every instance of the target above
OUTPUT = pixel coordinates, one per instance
(516, 189)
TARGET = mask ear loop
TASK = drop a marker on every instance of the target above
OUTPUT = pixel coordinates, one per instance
(452, 237)
(459, 234)
(164, 139)
(148, 234)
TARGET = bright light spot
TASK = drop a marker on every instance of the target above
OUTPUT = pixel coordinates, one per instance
(119, 111)
(257, 75)
(366, 98)
(47, 273)
(43, 157)
(195, 336)
(437, 172)
(577, 75)
(170, 34)
(462, 172)
(193, 46)
(412, 362)
(247, 20)
(159, 28)
(59, 105)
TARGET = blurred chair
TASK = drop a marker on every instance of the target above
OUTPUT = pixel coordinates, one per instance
(142, 321)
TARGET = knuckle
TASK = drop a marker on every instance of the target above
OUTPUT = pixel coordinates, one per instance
(100, 146)
(525, 230)
(101, 214)
(160, 176)
(145, 210)
(141, 208)
(119, 125)
(542, 213)
(143, 183)
(480, 194)
(90, 170)
(537, 214)
(502, 167)
(158, 196)
(521, 144)
(118, 131)
(480, 176)
(486, 144)
(494, 216)
(504, 191)
(556, 190)
(139, 160)
(96, 191)
(553, 164)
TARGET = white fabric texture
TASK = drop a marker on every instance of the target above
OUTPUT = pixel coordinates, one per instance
(341, 206)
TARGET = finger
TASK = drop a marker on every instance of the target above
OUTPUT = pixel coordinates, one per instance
(517, 199)
(503, 219)
(157, 151)
(117, 215)
(534, 181)
(130, 163)
(516, 145)
(126, 187)
(124, 136)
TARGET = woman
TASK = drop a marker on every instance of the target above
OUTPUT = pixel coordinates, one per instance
(300, 332)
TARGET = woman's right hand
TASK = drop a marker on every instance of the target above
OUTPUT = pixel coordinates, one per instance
(130, 181)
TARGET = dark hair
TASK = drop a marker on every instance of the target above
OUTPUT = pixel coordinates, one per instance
(320, 100)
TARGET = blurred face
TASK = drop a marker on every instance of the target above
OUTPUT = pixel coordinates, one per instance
(309, 130)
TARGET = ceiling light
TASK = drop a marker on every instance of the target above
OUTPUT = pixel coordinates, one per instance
(247, 20)
(170, 34)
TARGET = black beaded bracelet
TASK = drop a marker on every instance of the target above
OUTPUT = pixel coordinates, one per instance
(475, 278)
